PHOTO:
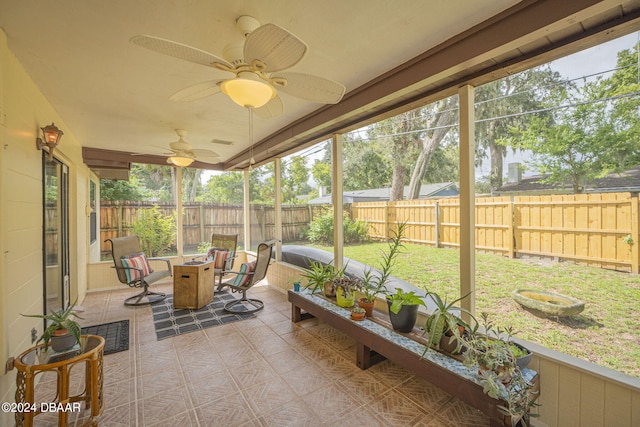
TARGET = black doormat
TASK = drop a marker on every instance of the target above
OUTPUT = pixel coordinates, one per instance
(115, 334)
(170, 322)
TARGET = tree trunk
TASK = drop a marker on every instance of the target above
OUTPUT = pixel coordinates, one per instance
(429, 145)
(497, 153)
(397, 182)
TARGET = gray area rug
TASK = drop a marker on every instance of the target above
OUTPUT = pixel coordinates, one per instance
(115, 334)
(170, 322)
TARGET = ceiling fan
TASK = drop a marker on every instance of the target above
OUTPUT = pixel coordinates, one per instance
(258, 65)
(183, 154)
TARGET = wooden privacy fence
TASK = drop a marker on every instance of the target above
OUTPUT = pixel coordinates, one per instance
(594, 229)
(200, 220)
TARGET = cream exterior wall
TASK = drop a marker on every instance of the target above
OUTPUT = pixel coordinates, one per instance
(23, 110)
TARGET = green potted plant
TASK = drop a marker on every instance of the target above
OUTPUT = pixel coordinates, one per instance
(375, 284)
(358, 313)
(500, 374)
(403, 309)
(62, 331)
(345, 289)
(318, 275)
(444, 326)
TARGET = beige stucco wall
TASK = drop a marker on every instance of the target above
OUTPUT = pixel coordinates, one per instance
(23, 110)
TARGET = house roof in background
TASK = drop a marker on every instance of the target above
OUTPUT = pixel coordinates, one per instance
(628, 180)
(377, 194)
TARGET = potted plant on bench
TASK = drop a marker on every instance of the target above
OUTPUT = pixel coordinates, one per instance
(444, 326)
(374, 284)
(319, 277)
(501, 375)
(403, 309)
(345, 288)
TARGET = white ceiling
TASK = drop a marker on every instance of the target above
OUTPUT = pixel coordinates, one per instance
(114, 95)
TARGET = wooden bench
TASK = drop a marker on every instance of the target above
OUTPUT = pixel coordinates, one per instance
(376, 342)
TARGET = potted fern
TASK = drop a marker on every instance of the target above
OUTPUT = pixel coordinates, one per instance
(63, 331)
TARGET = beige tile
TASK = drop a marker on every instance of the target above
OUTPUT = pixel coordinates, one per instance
(230, 410)
(260, 372)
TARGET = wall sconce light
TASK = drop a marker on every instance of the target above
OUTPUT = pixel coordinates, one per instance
(51, 135)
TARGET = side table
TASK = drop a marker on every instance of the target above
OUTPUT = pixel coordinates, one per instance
(35, 361)
(192, 284)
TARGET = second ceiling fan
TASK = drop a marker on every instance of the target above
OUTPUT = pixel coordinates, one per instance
(258, 65)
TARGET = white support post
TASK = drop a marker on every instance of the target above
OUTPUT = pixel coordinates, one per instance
(247, 213)
(179, 221)
(277, 170)
(467, 197)
(336, 199)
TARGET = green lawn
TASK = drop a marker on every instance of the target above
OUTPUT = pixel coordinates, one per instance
(605, 333)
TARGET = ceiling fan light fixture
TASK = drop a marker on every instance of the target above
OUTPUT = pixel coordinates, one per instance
(248, 92)
(179, 161)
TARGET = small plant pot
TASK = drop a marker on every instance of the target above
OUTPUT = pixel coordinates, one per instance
(406, 318)
(328, 290)
(343, 300)
(368, 306)
(357, 316)
(62, 341)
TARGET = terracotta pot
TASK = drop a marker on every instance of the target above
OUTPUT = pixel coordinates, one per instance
(368, 306)
(357, 316)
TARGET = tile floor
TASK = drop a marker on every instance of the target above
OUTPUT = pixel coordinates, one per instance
(265, 371)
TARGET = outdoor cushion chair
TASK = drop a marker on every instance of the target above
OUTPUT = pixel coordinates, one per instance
(134, 270)
(222, 253)
(249, 274)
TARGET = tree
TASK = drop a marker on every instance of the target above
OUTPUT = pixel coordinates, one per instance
(225, 188)
(572, 145)
(364, 166)
(500, 106)
(591, 134)
(439, 123)
(157, 232)
(399, 134)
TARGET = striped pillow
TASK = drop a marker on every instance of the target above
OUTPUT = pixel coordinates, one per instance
(138, 260)
(218, 256)
(246, 267)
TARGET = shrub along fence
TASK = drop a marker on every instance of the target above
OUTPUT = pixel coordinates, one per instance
(599, 230)
(200, 220)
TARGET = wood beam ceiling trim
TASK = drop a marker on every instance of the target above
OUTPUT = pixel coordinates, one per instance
(100, 158)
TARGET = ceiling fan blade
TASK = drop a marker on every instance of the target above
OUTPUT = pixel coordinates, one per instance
(312, 88)
(195, 92)
(273, 108)
(275, 47)
(177, 50)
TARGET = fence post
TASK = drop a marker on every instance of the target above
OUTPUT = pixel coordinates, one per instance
(511, 239)
(203, 238)
(436, 232)
(635, 234)
(385, 234)
(119, 219)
